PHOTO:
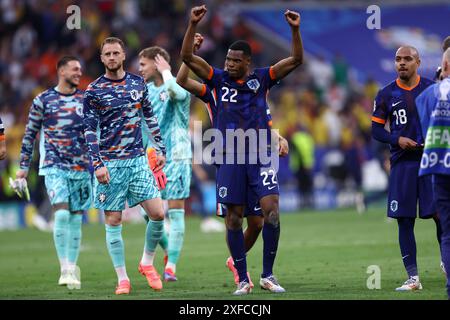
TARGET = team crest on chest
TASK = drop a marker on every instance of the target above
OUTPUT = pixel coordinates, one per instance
(253, 84)
(163, 96)
(79, 110)
(135, 95)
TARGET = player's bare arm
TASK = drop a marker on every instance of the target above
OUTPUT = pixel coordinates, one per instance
(2, 148)
(199, 66)
(285, 66)
(191, 85)
(284, 146)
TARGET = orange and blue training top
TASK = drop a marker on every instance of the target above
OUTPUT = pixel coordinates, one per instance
(57, 118)
(112, 117)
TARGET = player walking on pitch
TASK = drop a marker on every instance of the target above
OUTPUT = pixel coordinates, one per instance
(252, 211)
(113, 103)
(171, 104)
(56, 114)
(241, 104)
(396, 103)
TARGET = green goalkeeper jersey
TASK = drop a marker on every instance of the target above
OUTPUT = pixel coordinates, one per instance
(171, 104)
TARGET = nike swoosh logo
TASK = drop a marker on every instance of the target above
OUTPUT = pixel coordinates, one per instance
(257, 208)
(270, 188)
(405, 256)
(394, 104)
(237, 260)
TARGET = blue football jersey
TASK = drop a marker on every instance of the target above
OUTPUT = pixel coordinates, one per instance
(235, 105)
(396, 104)
(208, 96)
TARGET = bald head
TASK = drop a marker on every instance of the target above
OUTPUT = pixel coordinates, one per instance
(407, 61)
(446, 43)
(408, 50)
(446, 64)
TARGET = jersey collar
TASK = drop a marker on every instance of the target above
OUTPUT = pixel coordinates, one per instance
(397, 81)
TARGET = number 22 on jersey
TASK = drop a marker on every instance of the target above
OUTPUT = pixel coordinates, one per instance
(229, 95)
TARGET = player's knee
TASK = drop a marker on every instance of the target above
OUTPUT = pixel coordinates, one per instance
(272, 217)
(113, 220)
(157, 215)
(233, 221)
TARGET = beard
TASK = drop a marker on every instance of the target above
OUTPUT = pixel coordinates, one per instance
(405, 76)
(71, 84)
(114, 69)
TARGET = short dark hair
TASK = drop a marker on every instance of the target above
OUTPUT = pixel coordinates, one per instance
(151, 52)
(242, 45)
(110, 40)
(446, 44)
(65, 60)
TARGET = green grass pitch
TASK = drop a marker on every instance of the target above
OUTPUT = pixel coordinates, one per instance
(322, 255)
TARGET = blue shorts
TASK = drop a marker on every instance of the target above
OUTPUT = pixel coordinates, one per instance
(178, 175)
(235, 181)
(73, 188)
(252, 208)
(130, 180)
(406, 188)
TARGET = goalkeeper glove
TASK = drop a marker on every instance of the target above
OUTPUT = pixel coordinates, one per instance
(160, 176)
(20, 187)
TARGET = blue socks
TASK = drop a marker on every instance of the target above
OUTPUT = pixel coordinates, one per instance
(235, 240)
(61, 235)
(74, 242)
(115, 245)
(408, 244)
(176, 236)
(271, 235)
